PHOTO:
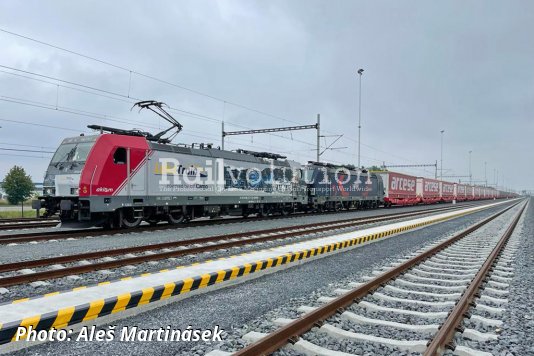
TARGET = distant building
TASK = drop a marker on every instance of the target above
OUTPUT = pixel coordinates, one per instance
(38, 190)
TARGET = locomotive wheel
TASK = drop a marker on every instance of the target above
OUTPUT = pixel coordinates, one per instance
(129, 221)
(175, 218)
(152, 221)
(285, 212)
(113, 221)
(261, 212)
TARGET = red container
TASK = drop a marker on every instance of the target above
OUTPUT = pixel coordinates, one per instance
(400, 189)
(428, 190)
(461, 192)
(477, 193)
(447, 191)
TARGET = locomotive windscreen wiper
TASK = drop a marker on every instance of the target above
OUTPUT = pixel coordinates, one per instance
(68, 156)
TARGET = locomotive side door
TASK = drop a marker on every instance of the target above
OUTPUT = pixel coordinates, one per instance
(138, 163)
(132, 162)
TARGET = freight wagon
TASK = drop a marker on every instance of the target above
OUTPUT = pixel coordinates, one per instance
(399, 189)
(428, 190)
(477, 193)
(461, 192)
(447, 192)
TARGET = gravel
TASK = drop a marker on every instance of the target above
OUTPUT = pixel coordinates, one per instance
(250, 306)
(516, 333)
(490, 232)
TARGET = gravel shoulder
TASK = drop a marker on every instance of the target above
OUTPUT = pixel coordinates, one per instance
(239, 305)
(517, 336)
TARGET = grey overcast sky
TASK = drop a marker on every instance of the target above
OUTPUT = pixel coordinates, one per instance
(466, 67)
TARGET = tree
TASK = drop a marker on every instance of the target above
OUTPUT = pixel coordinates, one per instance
(376, 168)
(17, 185)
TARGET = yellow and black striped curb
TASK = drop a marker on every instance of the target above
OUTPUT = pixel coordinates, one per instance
(102, 307)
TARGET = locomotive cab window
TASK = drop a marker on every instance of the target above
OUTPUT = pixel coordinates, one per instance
(119, 157)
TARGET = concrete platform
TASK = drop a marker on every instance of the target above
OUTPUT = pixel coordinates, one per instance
(98, 303)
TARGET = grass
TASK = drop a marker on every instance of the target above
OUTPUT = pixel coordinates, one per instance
(4, 202)
(28, 213)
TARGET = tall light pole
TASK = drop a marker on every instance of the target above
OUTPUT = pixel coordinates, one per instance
(441, 170)
(470, 176)
(485, 174)
(360, 72)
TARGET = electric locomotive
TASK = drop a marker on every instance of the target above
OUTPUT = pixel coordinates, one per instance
(119, 178)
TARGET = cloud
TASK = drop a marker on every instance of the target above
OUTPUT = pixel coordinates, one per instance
(460, 67)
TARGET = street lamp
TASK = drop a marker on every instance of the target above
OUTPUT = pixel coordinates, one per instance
(441, 170)
(485, 174)
(360, 72)
(470, 176)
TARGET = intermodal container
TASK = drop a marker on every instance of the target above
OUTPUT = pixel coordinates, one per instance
(400, 189)
(447, 191)
(428, 190)
(461, 192)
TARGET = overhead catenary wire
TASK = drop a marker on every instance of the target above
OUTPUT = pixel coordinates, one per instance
(107, 117)
(133, 100)
(131, 71)
(115, 119)
(85, 114)
(148, 76)
(28, 156)
(38, 124)
(24, 145)
(21, 150)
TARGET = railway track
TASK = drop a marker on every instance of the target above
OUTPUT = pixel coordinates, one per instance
(53, 267)
(425, 297)
(28, 224)
(67, 234)
(18, 220)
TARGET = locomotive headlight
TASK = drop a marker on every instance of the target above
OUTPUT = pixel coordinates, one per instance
(49, 191)
(74, 191)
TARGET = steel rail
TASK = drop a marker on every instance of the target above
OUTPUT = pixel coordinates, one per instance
(264, 235)
(444, 336)
(28, 225)
(12, 220)
(65, 234)
(292, 331)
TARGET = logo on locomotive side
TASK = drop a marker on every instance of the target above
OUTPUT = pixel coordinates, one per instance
(191, 171)
(104, 190)
(401, 183)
